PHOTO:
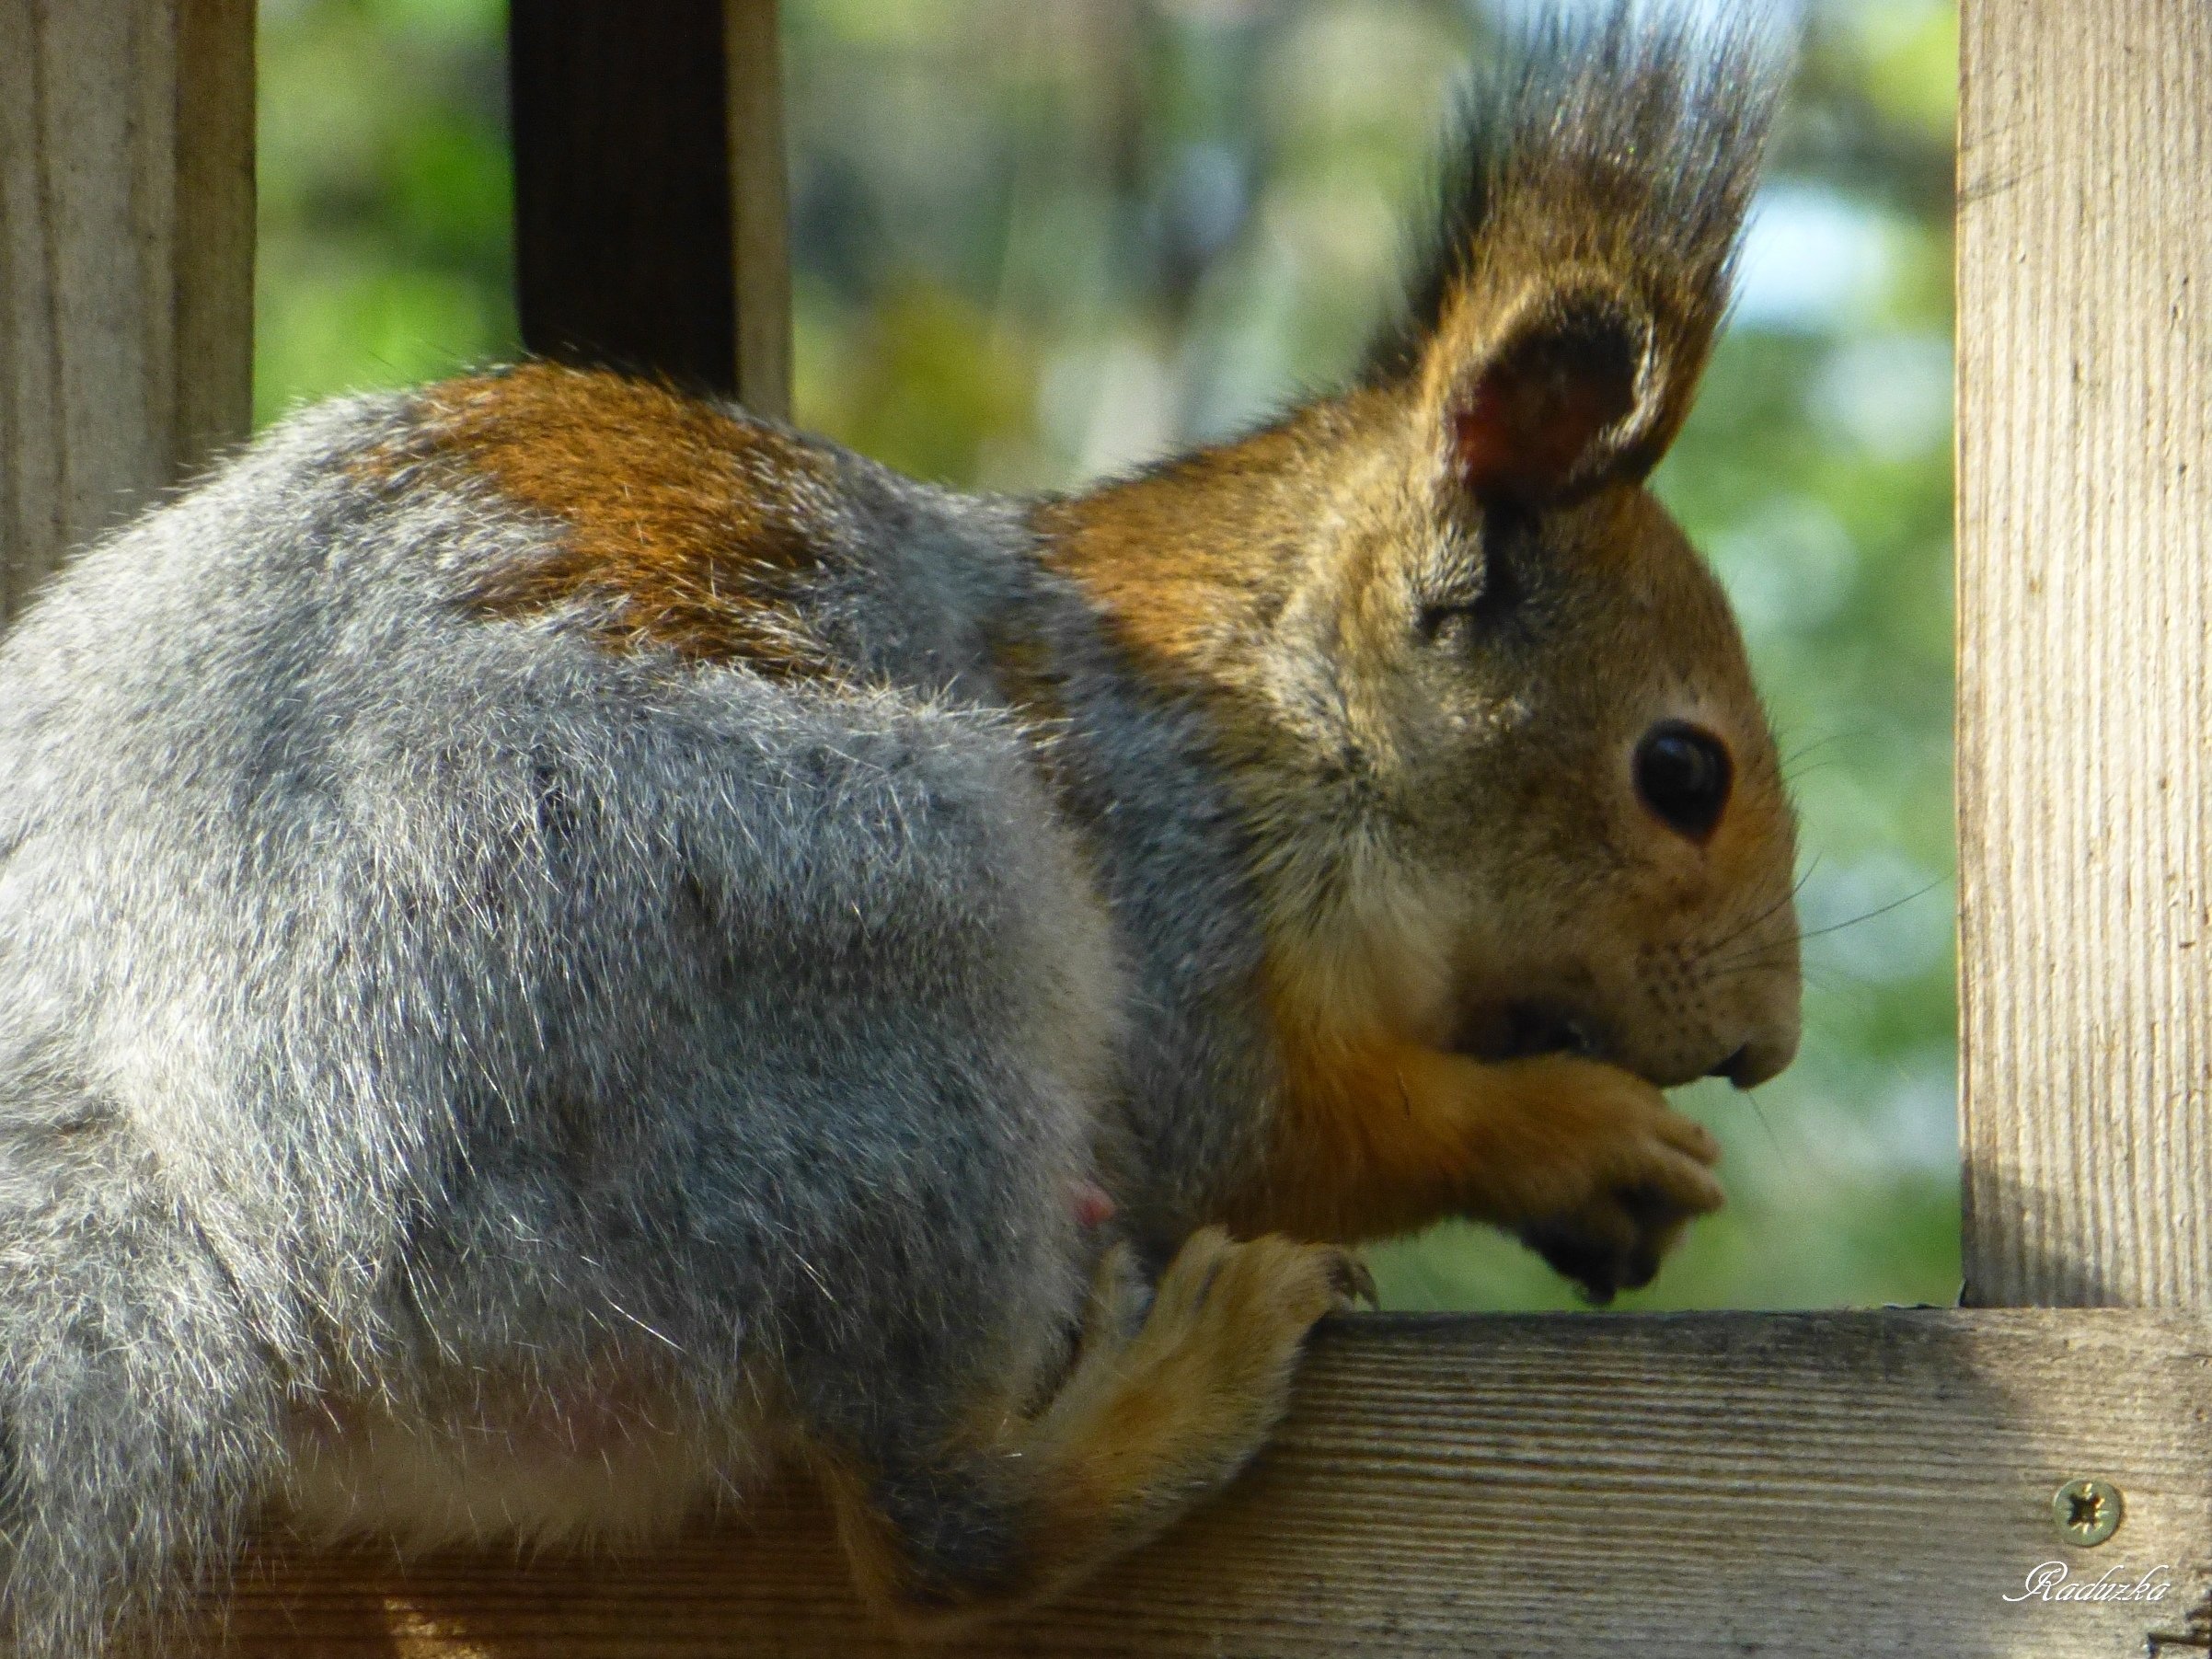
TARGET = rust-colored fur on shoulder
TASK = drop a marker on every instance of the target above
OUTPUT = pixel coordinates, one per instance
(1193, 564)
(689, 524)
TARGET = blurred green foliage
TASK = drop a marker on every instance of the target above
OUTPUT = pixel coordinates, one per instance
(1035, 242)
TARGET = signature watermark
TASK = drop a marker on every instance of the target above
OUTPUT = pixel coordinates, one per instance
(2053, 1580)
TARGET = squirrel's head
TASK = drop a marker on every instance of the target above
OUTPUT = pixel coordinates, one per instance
(1490, 716)
(1551, 669)
(1580, 819)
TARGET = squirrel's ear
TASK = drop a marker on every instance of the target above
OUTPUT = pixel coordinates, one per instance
(1563, 399)
(1593, 198)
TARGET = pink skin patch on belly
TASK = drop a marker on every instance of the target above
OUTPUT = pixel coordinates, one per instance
(1093, 1207)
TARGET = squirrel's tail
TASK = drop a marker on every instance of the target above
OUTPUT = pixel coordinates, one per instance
(138, 1430)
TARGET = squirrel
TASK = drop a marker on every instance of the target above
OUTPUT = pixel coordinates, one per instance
(563, 945)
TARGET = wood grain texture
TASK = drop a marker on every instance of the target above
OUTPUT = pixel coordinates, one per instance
(126, 261)
(759, 205)
(2085, 694)
(1688, 1485)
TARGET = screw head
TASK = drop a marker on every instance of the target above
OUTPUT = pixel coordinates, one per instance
(2087, 1511)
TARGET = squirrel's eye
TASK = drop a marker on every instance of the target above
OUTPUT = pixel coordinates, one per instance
(1683, 773)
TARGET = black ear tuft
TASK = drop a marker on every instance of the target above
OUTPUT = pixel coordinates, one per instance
(1592, 205)
(1555, 408)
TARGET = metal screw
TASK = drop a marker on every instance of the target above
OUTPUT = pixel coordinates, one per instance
(2087, 1511)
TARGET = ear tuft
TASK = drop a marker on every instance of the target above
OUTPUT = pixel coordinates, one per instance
(1554, 408)
(1593, 198)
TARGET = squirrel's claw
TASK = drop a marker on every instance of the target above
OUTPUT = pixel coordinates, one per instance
(1354, 1284)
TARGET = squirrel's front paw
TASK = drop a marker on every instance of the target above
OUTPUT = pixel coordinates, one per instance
(1602, 1173)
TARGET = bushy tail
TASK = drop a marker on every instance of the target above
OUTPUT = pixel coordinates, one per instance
(139, 1426)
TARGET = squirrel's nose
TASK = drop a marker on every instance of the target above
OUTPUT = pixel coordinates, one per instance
(1758, 1061)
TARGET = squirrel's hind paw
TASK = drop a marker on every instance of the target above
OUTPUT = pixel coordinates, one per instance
(1164, 1403)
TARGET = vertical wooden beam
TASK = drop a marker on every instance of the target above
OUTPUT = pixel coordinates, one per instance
(760, 207)
(2085, 683)
(126, 261)
(649, 190)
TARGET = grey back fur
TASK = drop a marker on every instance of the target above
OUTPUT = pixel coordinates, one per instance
(405, 1019)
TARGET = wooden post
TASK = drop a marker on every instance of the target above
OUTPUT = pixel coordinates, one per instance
(649, 215)
(126, 261)
(2085, 682)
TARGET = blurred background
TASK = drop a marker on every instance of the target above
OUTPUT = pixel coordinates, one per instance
(1035, 242)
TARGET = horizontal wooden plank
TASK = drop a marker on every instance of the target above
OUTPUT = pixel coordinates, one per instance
(1692, 1485)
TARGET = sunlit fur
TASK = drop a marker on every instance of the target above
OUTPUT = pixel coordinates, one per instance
(562, 945)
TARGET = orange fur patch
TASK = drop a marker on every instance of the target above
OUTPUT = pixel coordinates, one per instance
(1190, 565)
(1378, 1135)
(1365, 1144)
(1380, 1129)
(1373, 1137)
(693, 525)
